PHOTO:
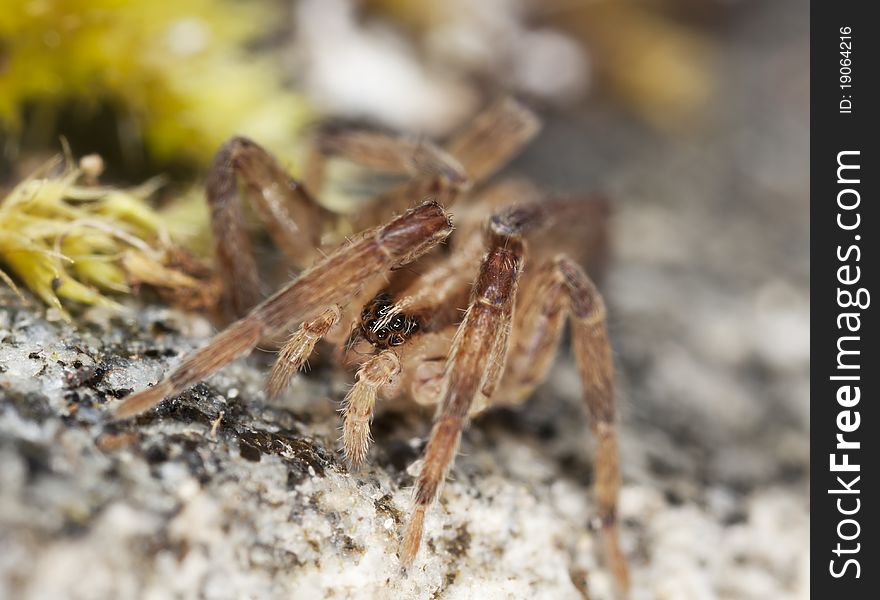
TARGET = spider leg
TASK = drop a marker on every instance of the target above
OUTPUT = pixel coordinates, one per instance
(298, 347)
(434, 172)
(443, 174)
(377, 372)
(489, 141)
(481, 341)
(293, 219)
(592, 351)
(443, 285)
(381, 151)
(334, 280)
(542, 308)
(558, 289)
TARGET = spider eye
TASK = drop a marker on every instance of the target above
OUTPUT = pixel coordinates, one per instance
(397, 323)
(382, 334)
(383, 310)
(396, 340)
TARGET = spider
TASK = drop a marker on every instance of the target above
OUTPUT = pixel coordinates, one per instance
(461, 325)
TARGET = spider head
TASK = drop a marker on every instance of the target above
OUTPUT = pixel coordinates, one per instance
(383, 325)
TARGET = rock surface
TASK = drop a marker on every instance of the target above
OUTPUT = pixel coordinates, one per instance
(219, 494)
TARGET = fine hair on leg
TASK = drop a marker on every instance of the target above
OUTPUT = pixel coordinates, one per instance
(334, 280)
(479, 343)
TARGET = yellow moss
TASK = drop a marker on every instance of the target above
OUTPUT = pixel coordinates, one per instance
(187, 218)
(64, 239)
(176, 72)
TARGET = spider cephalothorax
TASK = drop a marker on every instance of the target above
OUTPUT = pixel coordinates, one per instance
(460, 329)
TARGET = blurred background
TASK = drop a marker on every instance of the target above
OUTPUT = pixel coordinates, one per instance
(692, 115)
(149, 84)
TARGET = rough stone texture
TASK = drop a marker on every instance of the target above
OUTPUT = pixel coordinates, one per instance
(259, 505)
(222, 494)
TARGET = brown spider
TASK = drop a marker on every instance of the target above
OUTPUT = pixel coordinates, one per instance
(407, 324)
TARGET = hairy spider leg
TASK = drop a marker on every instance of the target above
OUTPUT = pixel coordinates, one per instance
(433, 172)
(293, 219)
(477, 354)
(493, 138)
(558, 289)
(334, 280)
(443, 282)
(592, 351)
(296, 223)
(297, 349)
(478, 357)
(441, 173)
